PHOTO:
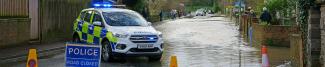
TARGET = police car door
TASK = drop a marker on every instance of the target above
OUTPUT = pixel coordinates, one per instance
(99, 30)
(86, 27)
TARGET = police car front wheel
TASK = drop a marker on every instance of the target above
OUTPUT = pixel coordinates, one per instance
(106, 51)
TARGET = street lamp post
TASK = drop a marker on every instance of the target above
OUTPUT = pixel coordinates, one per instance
(239, 17)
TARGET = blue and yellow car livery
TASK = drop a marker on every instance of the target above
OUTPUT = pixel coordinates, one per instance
(120, 32)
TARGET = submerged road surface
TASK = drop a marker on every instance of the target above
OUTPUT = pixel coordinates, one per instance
(207, 42)
(197, 42)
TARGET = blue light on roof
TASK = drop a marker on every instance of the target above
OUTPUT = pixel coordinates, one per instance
(102, 5)
(96, 5)
(107, 5)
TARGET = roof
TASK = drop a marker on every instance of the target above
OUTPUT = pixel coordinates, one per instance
(110, 9)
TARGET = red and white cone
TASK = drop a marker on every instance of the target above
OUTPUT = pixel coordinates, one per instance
(265, 59)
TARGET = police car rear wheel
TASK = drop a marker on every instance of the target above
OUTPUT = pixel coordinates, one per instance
(106, 51)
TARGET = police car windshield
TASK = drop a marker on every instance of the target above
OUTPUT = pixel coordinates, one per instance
(124, 19)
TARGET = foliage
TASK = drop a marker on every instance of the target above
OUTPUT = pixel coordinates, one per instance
(259, 8)
(276, 5)
(201, 2)
(194, 8)
(216, 7)
(139, 6)
(280, 5)
(303, 6)
(263, 23)
(136, 5)
(269, 42)
(285, 9)
(193, 5)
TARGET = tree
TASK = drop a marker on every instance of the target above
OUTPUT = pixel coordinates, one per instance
(216, 7)
(283, 7)
(193, 5)
(136, 5)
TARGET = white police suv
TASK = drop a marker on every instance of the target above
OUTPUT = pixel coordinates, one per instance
(120, 32)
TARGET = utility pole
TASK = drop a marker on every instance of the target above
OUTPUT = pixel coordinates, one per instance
(240, 11)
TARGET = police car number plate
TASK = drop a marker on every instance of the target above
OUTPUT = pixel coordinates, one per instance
(145, 46)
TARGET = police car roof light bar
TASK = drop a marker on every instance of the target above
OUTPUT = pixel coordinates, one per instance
(102, 5)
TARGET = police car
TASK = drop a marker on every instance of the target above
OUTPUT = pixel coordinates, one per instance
(120, 32)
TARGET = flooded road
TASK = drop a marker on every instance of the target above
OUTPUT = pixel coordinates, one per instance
(206, 42)
(197, 42)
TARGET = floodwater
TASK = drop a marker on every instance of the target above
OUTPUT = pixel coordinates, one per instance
(207, 42)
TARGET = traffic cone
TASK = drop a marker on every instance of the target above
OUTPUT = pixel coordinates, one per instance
(173, 61)
(265, 60)
(32, 58)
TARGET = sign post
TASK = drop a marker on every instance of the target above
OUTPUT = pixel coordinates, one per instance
(80, 55)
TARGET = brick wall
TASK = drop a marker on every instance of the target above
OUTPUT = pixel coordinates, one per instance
(14, 31)
(277, 33)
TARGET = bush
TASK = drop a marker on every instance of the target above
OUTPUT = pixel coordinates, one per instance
(276, 5)
(269, 42)
(216, 7)
(263, 23)
(285, 9)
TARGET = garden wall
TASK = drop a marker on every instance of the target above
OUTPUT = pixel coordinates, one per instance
(275, 35)
(296, 50)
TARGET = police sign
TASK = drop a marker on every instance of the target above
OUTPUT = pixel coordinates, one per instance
(79, 55)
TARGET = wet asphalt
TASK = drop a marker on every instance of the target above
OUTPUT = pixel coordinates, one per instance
(197, 42)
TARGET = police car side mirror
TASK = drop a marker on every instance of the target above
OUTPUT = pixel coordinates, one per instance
(97, 23)
(149, 23)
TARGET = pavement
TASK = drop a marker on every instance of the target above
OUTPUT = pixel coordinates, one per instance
(19, 53)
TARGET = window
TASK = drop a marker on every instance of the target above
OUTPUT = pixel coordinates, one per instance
(97, 17)
(82, 15)
(124, 19)
(88, 16)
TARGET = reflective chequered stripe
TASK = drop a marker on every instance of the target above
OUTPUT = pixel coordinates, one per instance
(110, 37)
(79, 25)
(85, 27)
(90, 35)
(91, 29)
(97, 39)
(84, 31)
(93, 34)
(97, 34)
(90, 38)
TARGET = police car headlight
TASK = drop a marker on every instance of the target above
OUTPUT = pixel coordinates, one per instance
(160, 34)
(120, 35)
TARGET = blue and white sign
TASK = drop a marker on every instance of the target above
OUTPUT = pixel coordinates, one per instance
(79, 55)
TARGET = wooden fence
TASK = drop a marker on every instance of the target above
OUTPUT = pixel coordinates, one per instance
(57, 17)
(13, 8)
